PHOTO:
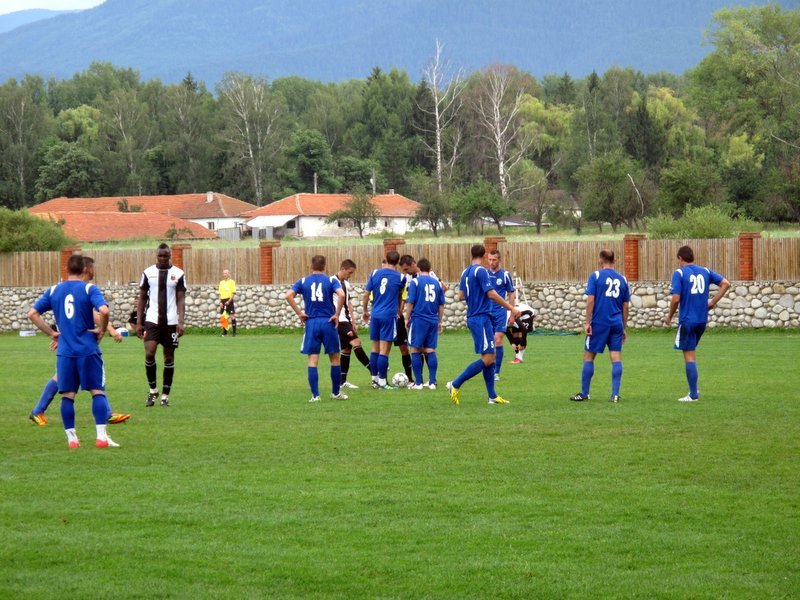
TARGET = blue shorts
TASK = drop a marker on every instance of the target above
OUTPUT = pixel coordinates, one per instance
(500, 321)
(688, 335)
(602, 336)
(423, 334)
(75, 372)
(482, 330)
(320, 332)
(383, 330)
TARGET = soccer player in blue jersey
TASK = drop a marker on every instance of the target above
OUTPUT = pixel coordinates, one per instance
(424, 309)
(504, 286)
(321, 319)
(79, 362)
(607, 302)
(476, 289)
(385, 285)
(690, 290)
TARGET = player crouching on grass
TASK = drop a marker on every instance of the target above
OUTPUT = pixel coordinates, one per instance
(320, 318)
(517, 332)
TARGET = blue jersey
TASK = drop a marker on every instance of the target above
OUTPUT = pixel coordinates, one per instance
(692, 282)
(426, 294)
(73, 303)
(610, 291)
(475, 284)
(317, 290)
(386, 286)
(502, 284)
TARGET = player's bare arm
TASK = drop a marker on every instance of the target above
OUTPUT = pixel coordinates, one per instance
(290, 295)
(339, 303)
(625, 309)
(140, 313)
(180, 301)
(587, 324)
(723, 288)
(365, 308)
(673, 306)
(42, 325)
(515, 312)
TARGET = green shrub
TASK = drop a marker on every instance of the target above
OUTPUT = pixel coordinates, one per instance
(701, 222)
(20, 231)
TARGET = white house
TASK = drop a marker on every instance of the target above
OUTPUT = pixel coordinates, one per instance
(304, 216)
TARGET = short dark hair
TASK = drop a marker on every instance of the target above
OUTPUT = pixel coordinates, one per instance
(164, 246)
(88, 261)
(347, 264)
(478, 251)
(424, 265)
(406, 260)
(392, 257)
(318, 262)
(75, 264)
(686, 254)
(494, 253)
(607, 256)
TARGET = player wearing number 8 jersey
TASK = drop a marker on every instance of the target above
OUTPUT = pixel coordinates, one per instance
(385, 285)
(607, 300)
(690, 290)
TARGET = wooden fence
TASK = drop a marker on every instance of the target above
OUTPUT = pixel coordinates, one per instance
(773, 259)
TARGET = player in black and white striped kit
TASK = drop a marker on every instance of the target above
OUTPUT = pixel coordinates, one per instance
(159, 319)
(348, 335)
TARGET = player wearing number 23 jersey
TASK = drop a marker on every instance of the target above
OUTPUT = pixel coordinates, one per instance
(611, 292)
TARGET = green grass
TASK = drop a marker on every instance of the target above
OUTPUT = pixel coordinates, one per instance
(242, 489)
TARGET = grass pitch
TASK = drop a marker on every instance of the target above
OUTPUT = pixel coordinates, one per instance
(242, 489)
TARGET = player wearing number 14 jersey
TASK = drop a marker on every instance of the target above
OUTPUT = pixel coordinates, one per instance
(690, 285)
(607, 300)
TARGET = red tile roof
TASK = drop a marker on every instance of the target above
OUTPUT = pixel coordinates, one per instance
(321, 205)
(185, 206)
(92, 226)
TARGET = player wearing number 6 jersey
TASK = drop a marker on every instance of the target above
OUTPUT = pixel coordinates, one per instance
(320, 317)
(690, 288)
(607, 300)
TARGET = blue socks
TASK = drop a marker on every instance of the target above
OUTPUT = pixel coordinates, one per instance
(100, 408)
(586, 376)
(433, 366)
(691, 377)
(383, 366)
(373, 363)
(472, 369)
(499, 352)
(68, 412)
(48, 393)
(313, 380)
(488, 379)
(416, 365)
(616, 377)
(336, 378)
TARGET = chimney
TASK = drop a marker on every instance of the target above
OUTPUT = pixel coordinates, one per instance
(391, 190)
(209, 197)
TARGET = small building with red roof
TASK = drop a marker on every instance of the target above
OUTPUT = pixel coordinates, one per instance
(96, 226)
(305, 215)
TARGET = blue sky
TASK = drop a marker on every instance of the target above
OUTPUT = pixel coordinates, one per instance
(7, 6)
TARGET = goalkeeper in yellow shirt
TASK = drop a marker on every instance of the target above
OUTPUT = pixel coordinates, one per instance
(227, 290)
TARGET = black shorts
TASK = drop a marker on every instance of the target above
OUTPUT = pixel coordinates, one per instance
(230, 308)
(345, 330)
(402, 335)
(166, 335)
(517, 336)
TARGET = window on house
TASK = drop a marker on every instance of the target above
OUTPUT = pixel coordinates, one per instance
(386, 223)
(291, 224)
(210, 225)
(339, 223)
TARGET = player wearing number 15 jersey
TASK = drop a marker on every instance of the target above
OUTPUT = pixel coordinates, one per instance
(320, 317)
(607, 300)
(690, 285)
(424, 309)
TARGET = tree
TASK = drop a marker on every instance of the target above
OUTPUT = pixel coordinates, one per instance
(533, 200)
(21, 231)
(252, 127)
(69, 170)
(688, 183)
(434, 207)
(309, 163)
(606, 185)
(359, 173)
(360, 210)
(481, 200)
(443, 104)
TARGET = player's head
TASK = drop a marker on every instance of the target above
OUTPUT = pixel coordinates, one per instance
(407, 264)
(163, 256)
(75, 265)
(226, 274)
(88, 268)
(477, 251)
(346, 269)
(493, 259)
(318, 262)
(424, 265)
(686, 254)
(392, 258)
(606, 257)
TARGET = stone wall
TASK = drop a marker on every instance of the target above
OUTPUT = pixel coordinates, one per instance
(558, 305)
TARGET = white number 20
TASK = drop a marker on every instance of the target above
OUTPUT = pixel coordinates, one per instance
(698, 284)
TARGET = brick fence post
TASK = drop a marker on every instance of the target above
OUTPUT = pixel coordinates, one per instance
(64, 257)
(178, 258)
(391, 244)
(267, 261)
(631, 245)
(491, 243)
(746, 255)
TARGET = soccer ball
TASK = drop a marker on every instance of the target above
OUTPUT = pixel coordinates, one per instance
(400, 380)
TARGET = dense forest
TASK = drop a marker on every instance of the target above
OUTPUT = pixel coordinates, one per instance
(621, 145)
